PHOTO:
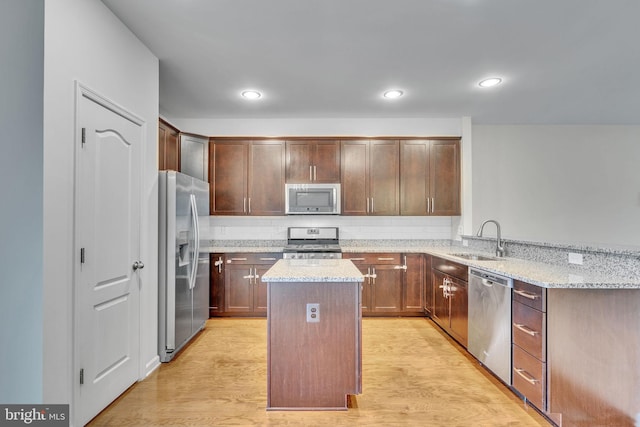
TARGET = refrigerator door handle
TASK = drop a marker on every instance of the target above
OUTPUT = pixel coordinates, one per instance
(196, 249)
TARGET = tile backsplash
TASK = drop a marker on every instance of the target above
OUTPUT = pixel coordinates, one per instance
(356, 227)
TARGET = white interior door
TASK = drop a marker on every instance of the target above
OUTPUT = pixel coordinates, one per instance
(107, 318)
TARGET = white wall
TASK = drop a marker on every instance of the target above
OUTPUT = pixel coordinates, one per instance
(21, 68)
(321, 127)
(564, 184)
(351, 227)
(84, 41)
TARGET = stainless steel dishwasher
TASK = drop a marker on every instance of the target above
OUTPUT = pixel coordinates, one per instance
(490, 321)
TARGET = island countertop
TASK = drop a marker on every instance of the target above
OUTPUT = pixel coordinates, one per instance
(313, 270)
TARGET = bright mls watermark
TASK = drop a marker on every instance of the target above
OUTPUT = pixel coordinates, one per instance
(34, 415)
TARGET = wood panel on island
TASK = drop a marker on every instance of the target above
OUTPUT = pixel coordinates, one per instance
(314, 335)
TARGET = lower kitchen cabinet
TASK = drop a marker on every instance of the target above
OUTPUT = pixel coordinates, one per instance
(529, 330)
(428, 291)
(243, 293)
(382, 286)
(393, 285)
(216, 288)
(413, 287)
(450, 304)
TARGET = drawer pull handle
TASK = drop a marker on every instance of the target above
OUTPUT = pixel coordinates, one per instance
(385, 259)
(267, 259)
(238, 259)
(356, 259)
(527, 377)
(526, 330)
(525, 294)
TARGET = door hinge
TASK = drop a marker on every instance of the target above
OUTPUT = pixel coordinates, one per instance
(81, 376)
(84, 136)
(81, 255)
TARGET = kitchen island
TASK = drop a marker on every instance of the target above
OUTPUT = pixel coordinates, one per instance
(313, 334)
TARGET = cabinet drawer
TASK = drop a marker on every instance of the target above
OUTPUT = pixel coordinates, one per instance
(529, 326)
(528, 294)
(451, 268)
(252, 258)
(374, 258)
(529, 377)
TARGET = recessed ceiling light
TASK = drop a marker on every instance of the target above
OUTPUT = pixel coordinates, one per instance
(393, 94)
(251, 94)
(490, 82)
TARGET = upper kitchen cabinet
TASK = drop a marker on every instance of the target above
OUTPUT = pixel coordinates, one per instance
(168, 147)
(313, 161)
(430, 177)
(247, 177)
(194, 156)
(370, 177)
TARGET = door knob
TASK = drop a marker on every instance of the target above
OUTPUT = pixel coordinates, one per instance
(138, 265)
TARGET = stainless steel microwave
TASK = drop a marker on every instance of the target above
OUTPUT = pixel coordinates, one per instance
(312, 199)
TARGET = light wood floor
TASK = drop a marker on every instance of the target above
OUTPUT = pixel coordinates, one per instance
(413, 375)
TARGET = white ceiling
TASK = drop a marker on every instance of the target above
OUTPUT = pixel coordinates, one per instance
(562, 61)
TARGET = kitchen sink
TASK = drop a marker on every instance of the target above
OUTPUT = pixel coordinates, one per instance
(475, 257)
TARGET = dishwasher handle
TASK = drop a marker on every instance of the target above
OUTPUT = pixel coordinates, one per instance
(489, 279)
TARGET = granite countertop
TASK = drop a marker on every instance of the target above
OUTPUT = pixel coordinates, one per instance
(313, 270)
(547, 275)
(537, 273)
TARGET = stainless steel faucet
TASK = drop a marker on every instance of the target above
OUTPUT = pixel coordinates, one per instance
(499, 246)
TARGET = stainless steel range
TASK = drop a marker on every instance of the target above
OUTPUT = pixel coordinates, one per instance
(312, 243)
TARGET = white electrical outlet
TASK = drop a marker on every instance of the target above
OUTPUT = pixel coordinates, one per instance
(575, 258)
(313, 313)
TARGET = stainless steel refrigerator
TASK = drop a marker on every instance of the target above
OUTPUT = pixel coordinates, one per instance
(183, 275)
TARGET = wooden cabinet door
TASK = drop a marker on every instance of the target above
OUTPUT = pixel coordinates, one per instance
(266, 178)
(384, 178)
(260, 289)
(310, 161)
(238, 289)
(229, 173)
(326, 162)
(366, 289)
(414, 177)
(355, 177)
(216, 289)
(168, 147)
(386, 288)
(413, 286)
(299, 162)
(444, 177)
(440, 302)
(428, 286)
(459, 310)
